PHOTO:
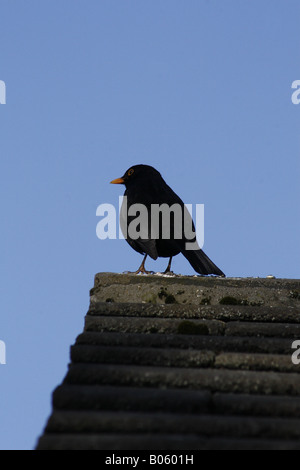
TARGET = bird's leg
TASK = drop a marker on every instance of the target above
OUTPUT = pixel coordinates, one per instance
(142, 268)
(168, 270)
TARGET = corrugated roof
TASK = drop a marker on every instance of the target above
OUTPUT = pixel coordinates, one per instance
(182, 363)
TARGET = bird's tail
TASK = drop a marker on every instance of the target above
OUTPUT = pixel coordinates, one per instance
(201, 262)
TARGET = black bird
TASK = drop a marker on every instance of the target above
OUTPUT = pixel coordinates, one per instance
(145, 186)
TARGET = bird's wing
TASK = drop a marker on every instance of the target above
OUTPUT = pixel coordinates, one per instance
(143, 245)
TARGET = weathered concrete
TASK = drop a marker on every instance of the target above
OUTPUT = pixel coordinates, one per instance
(174, 362)
(214, 380)
(194, 290)
(158, 441)
(216, 312)
(216, 343)
(170, 423)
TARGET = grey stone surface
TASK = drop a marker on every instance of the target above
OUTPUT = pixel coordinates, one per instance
(194, 290)
(224, 380)
(189, 312)
(170, 423)
(217, 343)
(189, 363)
(159, 441)
(95, 397)
(111, 441)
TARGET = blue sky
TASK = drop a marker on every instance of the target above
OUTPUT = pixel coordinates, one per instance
(201, 90)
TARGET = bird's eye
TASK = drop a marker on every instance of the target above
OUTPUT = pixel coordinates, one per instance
(130, 172)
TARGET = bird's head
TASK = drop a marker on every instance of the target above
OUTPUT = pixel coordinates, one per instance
(137, 173)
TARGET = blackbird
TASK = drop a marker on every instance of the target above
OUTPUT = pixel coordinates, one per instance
(159, 235)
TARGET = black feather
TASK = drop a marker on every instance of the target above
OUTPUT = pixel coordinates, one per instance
(145, 185)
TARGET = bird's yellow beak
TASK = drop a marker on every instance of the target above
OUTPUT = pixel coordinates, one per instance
(118, 181)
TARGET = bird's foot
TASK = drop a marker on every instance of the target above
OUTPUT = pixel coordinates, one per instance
(168, 271)
(141, 270)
